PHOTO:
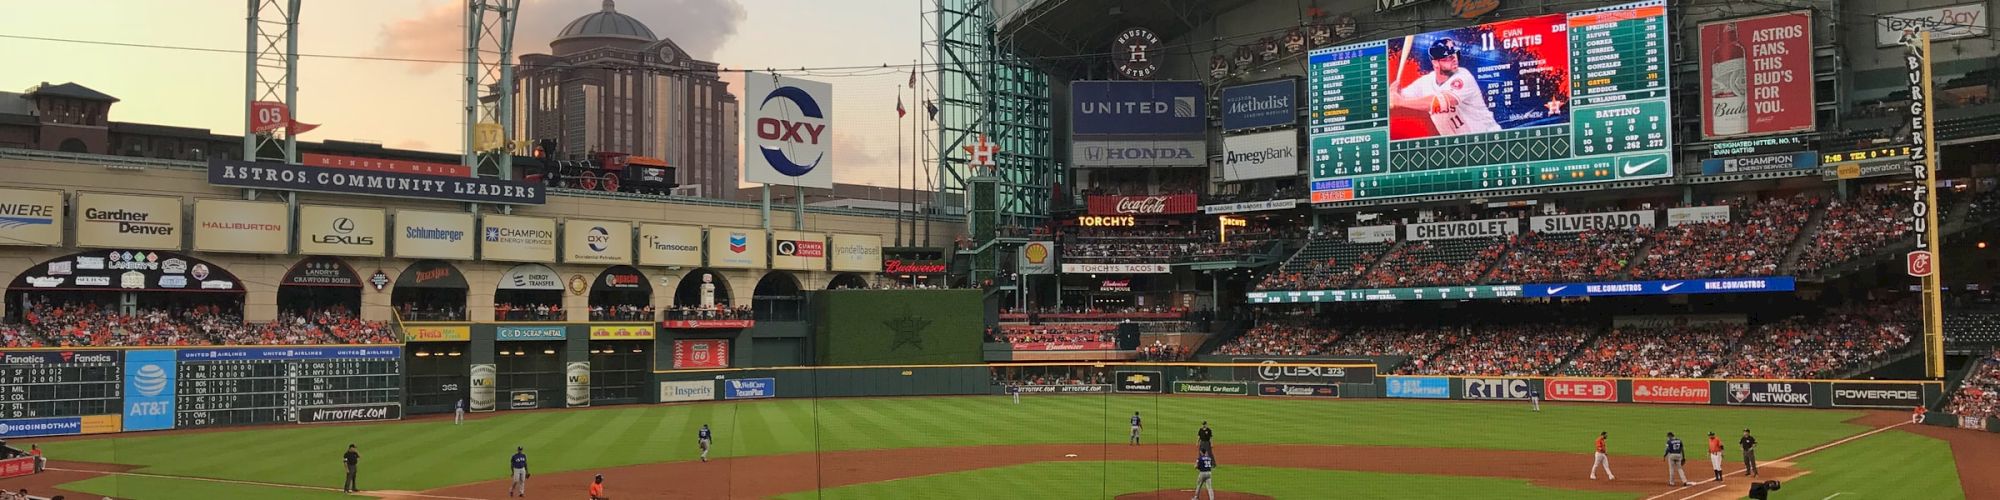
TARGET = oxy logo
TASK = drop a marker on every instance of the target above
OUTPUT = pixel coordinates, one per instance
(739, 242)
(599, 239)
(810, 131)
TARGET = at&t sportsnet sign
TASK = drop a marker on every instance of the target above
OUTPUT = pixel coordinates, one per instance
(787, 129)
(1770, 393)
(1419, 387)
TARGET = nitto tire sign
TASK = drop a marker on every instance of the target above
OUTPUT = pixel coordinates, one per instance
(1139, 382)
(351, 413)
(1860, 395)
(1770, 393)
(1496, 388)
(1065, 389)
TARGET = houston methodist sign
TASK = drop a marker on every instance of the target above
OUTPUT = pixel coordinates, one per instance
(789, 125)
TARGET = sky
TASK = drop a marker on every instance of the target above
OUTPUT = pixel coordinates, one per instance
(419, 105)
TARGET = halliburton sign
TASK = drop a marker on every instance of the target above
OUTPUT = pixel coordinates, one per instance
(1172, 204)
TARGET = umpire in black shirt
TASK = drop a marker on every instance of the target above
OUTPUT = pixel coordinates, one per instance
(351, 458)
(1749, 447)
(1207, 437)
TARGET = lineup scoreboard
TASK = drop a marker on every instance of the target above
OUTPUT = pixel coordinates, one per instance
(1547, 100)
(46, 384)
(270, 385)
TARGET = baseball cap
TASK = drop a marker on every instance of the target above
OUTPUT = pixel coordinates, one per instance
(1443, 48)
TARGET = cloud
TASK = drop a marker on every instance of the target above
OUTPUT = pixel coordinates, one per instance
(412, 144)
(699, 26)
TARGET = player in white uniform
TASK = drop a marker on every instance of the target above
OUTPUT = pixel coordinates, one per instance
(1454, 100)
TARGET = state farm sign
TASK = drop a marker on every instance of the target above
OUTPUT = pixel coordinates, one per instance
(1173, 204)
(1670, 391)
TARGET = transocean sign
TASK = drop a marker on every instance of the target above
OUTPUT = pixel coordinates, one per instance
(288, 177)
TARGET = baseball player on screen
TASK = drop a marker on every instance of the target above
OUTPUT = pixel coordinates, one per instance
(703, 436)
(1601, 459)
(1205, 478)
(1449, 94)
(1675, 460)
(1135, 427)
(519, 465)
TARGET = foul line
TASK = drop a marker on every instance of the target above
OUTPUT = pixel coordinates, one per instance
(1786, 458)
(253, 483)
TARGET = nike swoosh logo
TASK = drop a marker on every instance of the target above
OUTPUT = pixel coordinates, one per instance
(1557, 289)
(1669, 288)
(1635, 168)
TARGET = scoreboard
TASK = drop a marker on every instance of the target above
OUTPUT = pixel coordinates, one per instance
(269, 385)
(1557, 99)
(46, 384)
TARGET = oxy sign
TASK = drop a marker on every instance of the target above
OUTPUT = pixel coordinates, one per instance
(788, 131)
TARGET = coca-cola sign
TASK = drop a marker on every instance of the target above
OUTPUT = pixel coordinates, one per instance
(1172, 204)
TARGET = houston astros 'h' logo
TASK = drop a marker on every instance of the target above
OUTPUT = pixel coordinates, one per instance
(773, 129)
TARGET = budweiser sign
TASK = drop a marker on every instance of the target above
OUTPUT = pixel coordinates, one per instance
(1172, 204)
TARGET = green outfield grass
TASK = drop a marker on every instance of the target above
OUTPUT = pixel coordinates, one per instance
(435, 453)
(156, 488)
(1110, 479)
(1892, 464)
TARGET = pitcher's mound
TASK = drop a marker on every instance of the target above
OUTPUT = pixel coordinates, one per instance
(1178, 494)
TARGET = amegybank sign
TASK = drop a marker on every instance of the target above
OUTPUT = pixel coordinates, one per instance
(127, 221)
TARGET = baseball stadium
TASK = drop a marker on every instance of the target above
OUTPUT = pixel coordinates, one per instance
(1134, 249)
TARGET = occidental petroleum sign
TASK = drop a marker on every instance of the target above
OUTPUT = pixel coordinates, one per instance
(790, 129)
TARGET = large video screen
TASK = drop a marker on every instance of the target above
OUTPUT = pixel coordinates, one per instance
(1545, 100)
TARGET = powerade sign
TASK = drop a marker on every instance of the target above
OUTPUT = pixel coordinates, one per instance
(1496, 388)
(513, 333)
(285, 176)
(1770, 394)
(31, 427)
(1138, 108)
(1864, 395)
(1419, 387)
(149, 390)
(749, 388)
(1258, 105)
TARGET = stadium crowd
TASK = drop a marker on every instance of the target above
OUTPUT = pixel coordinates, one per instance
(1662, 351)
(1857, 228)
(717, 311)
(1017, 334)
(1595, 255)
(1427, 263)
(1821, 345)
(1521, 349)
(1752, 243)
(1979, 394)
(74, 324)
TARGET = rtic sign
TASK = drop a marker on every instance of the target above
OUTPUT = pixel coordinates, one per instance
(1496, 388)
(1863, 395)
(1583, 389)
(353, 413)
(1770, 393)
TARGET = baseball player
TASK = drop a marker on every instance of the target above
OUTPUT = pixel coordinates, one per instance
(458, 417)
(1135, 427)
(353, 459)
(1601, 460)
(1715, 456)
(1449, 94)
(703, 436)
(1016, 391)
(1206, 437)
(1675, 460)
(1749, 446)
(597, 488)
(1917, 415)
(1535, 396)
(519, 464)
(1205, 478)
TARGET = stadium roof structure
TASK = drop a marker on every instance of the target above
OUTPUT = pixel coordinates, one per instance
(1055, 31)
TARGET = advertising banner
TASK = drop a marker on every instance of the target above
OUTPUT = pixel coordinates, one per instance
(1149, 382)
(1224, 388)
(1268, 370)
(530, 277)
(1062, 346)
(597, 242)
(1262, 104)
(128, 270)
(524, 399)
(347, 231)
(1372, 234)
(351, 413)
(1116, 268)
(124, 221)
(1452, 230)
(1037, 257)
(798, 251)
(241, 226)
(1953, 22)
(857, 253)
(484, 386)
(31, 217)
(707, 324)
(285, 353)
(1064, 389)
(517, 239)
(787, 136)
(1601, 390)
(1757, 75)
(1770, 393)
(1886, 395)
(149, 390)
(622, 331)
(1803, 160)
(1577, 223)
(437, 333)
(1139, 153)
(1260, 156)
(1138, 109)
(664, 245)
(1305, 390)
(1850, 171)
(732, 248)
(1419, 387)
(1663, 287)
(1697, 215)
(576, 384)
(32, 427)
(1496, 388)
(693, 390)
(381, 165)
(1172, 204)
(518, 333)
(701, 353)
(288, 177)
(1670, 391)
(1249, 206)
(321, 271)
(433, 235)
(17, 467)
(749, 388)
(1977, 423)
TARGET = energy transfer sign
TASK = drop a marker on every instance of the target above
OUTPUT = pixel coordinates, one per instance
(787, 130)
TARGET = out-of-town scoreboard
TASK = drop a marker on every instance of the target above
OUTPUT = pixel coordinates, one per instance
(1547, 100)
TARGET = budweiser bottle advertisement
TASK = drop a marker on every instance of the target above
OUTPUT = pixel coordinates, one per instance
(1728, 108)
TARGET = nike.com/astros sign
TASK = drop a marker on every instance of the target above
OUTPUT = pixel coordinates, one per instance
(788, 131)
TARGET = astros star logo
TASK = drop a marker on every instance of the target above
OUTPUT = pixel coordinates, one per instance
(908, 328)
(1555, 106)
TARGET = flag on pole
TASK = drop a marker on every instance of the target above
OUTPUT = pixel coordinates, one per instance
(900, 112)
(913, 77)
(931, 107)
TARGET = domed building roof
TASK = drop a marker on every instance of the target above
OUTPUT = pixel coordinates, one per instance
(607, 23)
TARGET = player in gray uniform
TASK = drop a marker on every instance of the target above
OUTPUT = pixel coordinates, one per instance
(1675, 459)
(1135, 427)
(703, 435)
(519, 465)
(1205, 478)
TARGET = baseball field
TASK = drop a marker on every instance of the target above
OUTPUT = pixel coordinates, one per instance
(1047, 446)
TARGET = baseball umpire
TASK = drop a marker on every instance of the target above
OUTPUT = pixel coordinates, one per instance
(703, 437)
(1206, 438)
(1749, 446)
(520, 465)
(1675, 459)
(353, 459)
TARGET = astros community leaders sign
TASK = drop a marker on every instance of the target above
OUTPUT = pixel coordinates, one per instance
(274, 175)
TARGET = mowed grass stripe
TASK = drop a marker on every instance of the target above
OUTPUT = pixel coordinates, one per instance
(1891, 464)
(1084, 480)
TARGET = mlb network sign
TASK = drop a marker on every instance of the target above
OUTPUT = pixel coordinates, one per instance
(788, 133)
